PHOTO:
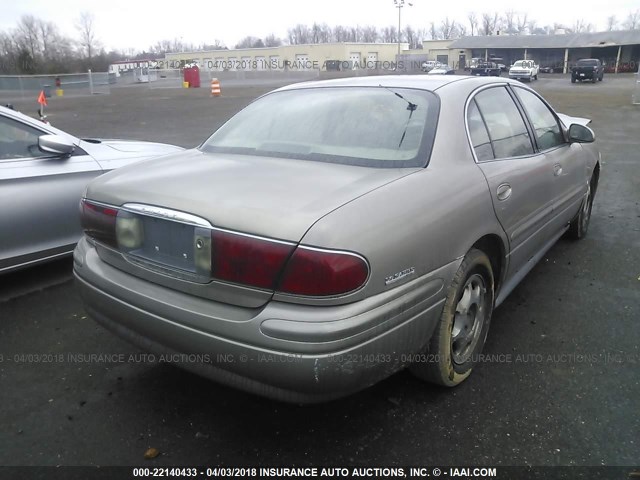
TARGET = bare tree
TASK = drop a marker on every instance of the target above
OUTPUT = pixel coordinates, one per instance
(250, 42)
(26, 35)
(532, 26)
(510, 22)
(522, 23)
(473, 22)
(325, 33)
(580, 26)
(272, 41)
(434, 33)
(353, 34)
(299, 35)
(48, 36)
(448, 29)
(611, 23)
(86, 27)
(369, 34)
(633, 20)
(410, 36)
(320, 33)
(489, 23)
(390, 34)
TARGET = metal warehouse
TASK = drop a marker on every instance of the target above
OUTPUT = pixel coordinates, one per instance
(618, 50)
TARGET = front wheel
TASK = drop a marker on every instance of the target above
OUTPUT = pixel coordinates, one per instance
(462, 330)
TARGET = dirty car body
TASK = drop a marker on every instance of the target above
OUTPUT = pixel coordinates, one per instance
(43, 172)
(315, 244)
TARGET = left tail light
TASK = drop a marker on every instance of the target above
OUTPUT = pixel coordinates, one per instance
(99, 222)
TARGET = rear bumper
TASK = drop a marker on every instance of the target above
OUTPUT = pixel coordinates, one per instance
(587, 75)
(289, 352)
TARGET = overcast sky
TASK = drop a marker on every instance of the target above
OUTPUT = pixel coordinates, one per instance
(122, 24)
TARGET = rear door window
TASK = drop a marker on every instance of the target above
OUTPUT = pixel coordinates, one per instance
(506, 127)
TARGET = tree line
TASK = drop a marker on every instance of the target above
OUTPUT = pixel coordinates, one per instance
(36, 46)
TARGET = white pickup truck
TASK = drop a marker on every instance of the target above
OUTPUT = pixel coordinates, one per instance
(524, 70)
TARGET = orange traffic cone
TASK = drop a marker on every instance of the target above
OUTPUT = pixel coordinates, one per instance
(215, 88)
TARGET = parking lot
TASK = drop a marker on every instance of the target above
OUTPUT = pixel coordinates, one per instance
(560, 384)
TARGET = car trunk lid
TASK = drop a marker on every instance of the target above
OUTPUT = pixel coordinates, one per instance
(272, 197)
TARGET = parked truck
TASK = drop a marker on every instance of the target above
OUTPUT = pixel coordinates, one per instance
(587, 69)
(524, 70)
(486, 69)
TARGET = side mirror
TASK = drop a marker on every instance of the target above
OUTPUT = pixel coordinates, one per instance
(580, 134)
(55, 144)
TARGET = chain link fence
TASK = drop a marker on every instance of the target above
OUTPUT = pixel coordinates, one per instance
(68, 84)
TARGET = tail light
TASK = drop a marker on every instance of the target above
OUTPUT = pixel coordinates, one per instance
(248, 260)
(315, 272)
(282, 266)
(99, 222)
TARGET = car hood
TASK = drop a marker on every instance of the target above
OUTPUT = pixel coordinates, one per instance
(273, 197)
(568, 120)
(109, 149)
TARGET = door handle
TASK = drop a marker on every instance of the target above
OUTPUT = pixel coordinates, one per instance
(504, 191)
(557, 170)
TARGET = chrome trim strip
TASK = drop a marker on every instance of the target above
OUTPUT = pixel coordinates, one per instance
(340, 252)
(257, 237)
(166, 214)
(35, 261)
(99, 204)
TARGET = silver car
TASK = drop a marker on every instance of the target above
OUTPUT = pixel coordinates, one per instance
(43, 172)
(334, 232)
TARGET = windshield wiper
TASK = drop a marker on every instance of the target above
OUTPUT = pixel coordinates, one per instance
(412, 107)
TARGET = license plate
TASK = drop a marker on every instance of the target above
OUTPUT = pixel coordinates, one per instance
(175, 245)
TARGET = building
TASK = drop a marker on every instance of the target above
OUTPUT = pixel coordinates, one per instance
(124, 66)
(325, 56)
(618, 50)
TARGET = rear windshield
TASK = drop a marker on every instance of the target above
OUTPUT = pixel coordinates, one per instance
(587, 63)
(367, 126)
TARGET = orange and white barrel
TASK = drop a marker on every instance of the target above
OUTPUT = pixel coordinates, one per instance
(215, 88)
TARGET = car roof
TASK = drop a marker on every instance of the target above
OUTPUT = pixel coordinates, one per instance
(422, 82)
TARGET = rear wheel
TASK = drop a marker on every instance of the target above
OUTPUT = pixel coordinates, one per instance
(462, 330)
(580, 224)
(593, 79)
(573, 80)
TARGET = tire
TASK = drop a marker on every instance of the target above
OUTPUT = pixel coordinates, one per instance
(579, 226)
(601, 77)
(467, 311)
(573, 80)
(593, 79)
(535, 77)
